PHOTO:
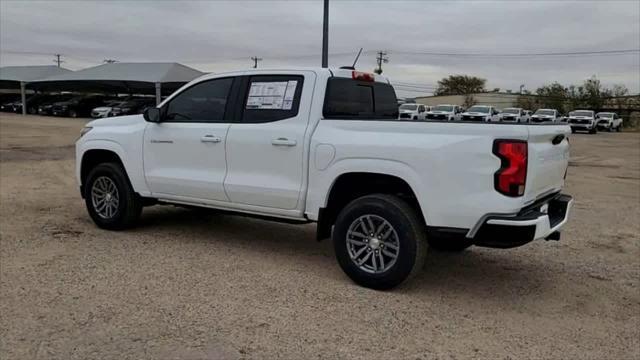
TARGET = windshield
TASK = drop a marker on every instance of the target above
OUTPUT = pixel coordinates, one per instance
(605, 115)
(511, 111)
(581, 113)
(443, 108)
(408, 107)
(544, 112)
(480, 109)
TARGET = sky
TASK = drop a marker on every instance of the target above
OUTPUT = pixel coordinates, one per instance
(219, 36)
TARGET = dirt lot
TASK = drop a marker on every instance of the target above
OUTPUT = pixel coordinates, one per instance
(187, 285)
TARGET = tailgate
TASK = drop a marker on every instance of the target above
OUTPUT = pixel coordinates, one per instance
(548, 160)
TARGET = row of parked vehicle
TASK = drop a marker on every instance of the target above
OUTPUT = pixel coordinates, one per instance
(586, 120)
(74, 105)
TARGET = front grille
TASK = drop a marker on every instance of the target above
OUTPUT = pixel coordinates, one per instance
(472, 118)
(436, 116)
(580, 121)
(405, 116)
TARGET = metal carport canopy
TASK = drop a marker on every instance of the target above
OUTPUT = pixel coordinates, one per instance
(17, 77)
(142, 78)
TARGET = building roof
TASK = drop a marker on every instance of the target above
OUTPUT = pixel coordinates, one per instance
(11, 76)
(140, 72)
(121, 77)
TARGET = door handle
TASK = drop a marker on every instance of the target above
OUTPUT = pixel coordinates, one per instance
(283, 142)
(210, 139)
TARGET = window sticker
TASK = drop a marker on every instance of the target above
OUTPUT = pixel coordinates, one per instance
(272, 95)
(266, 95)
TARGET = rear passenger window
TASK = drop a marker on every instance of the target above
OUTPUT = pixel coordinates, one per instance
(272, 98)
(353, 99)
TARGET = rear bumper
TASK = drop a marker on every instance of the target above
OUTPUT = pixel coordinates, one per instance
(542, 221)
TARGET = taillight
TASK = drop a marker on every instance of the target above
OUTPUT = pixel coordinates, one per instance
(362, 76)
(511, 178)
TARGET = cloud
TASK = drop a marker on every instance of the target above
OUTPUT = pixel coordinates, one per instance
(219, 36)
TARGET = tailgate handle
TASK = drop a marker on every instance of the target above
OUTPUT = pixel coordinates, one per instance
(557, 139)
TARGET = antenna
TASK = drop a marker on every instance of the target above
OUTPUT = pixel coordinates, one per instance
(357, 57)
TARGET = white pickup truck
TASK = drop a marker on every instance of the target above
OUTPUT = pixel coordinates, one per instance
(412, 111)
(484, 113)
(545, 116)
(517, 115)
(444, 112)
(327, 146)
(609, 121)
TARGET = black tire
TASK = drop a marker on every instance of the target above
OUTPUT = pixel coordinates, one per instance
(573, 131)
(32, 111)
(73, 114)
(610, 129)
(411, 236)
(449, 245)
(593, 131)
(130, 204)
(619, 128)
(415, 118)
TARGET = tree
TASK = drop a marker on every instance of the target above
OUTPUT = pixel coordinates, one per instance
(594, 94)
(619, 99)
(460, 85)
(469, 101)
(527, 102)
(553, 96)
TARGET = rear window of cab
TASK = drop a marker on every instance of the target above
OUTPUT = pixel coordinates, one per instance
(362, 100)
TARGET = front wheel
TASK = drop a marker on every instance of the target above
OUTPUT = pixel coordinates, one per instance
(379, 241)
(110, 199)
(593, 130)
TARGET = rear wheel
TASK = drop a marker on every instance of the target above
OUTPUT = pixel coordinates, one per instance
(110, 199)
(379, 241)
(73, 114)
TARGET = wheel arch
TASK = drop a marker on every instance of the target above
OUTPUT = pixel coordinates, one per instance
(350, 185)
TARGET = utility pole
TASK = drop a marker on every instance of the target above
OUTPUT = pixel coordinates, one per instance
(381, 58)
(255, 61)
(325, 35)
(57, 60)
(109, 61)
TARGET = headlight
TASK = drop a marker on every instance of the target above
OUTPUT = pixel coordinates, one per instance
(85, 130)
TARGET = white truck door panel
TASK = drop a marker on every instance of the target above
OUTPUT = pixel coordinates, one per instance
(186, 159)
(184, 155)
(266, 149)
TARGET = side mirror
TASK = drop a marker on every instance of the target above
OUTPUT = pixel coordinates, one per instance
(152, 114)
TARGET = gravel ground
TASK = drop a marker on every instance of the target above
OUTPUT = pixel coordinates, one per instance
(190, 285)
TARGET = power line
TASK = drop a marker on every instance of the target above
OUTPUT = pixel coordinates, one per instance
(381, 58)
(576, 53)
(57, 60)
(255, 61)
